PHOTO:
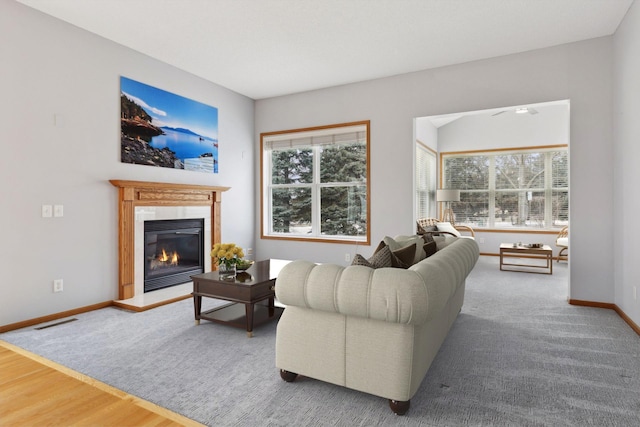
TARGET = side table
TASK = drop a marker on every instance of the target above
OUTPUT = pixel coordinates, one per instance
(251, 295)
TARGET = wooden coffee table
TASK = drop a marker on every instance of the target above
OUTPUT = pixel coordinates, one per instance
(251, 295)
(510, 250)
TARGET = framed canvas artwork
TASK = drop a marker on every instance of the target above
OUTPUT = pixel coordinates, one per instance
(162, 129)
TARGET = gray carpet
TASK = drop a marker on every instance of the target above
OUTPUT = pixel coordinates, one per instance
(518, 355)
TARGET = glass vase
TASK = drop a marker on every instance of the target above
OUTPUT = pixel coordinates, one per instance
(227, 271)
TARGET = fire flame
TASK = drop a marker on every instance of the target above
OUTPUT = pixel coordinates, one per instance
(168, 259)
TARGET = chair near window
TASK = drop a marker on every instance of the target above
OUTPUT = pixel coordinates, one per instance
(562, 241)
(446, 225)
(435, 226)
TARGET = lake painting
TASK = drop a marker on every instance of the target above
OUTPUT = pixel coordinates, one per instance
(163, 129)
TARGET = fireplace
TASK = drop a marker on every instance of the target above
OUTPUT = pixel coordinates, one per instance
(140, 201)
(173, 251)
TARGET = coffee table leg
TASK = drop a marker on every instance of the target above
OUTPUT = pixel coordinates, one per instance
(249, 315)
(197, 306)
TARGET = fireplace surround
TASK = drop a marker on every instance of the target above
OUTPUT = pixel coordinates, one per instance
(137, 198)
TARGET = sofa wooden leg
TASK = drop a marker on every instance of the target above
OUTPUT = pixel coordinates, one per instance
(399, 407)
(288, 376)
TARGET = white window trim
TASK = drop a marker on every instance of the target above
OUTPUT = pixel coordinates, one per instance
(492, 191)
(430, 173)
(315, 138)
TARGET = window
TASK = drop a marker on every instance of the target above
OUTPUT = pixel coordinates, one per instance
(520, 189)
(425, 181)
(315, 183)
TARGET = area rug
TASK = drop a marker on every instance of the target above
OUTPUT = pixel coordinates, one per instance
(518, 355)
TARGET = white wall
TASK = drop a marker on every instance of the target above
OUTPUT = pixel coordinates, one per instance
(483, 131)
(50, 68)
(579, 72)
(426, 133)
(624, 224)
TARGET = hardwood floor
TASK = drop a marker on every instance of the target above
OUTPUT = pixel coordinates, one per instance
(35, 392)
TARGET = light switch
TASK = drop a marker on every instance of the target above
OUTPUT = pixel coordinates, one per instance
(58, 211)
(46, 211)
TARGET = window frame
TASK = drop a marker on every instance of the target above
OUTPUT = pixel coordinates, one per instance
(266, 206)
(492, 191)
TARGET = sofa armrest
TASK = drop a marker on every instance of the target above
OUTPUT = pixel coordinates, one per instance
(387, 294)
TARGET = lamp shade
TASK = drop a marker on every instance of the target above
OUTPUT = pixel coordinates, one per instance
(448, 195)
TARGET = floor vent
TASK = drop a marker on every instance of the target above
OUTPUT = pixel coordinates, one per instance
(55, 324)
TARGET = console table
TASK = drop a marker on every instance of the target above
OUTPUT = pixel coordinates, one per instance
(251, 295)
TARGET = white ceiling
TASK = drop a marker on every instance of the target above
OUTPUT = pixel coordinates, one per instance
(266, 48)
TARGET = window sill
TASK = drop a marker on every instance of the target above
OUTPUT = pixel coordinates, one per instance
(346, 241)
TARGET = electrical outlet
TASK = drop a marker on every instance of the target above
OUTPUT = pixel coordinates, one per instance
(47, 211)
(57, 285)
(249, 251)
(58, 211)
(480, 240)
(347, 257)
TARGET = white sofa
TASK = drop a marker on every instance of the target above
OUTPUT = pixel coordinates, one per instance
(372, 330)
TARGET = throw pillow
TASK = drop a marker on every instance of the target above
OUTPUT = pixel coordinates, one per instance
(427, 237)
(404, 241)
(401, 258)
(446, 226)
(426, 229)
(430, 248)
(380, 259)
(381, 245)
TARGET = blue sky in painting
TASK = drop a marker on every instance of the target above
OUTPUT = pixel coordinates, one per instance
(168, 109)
